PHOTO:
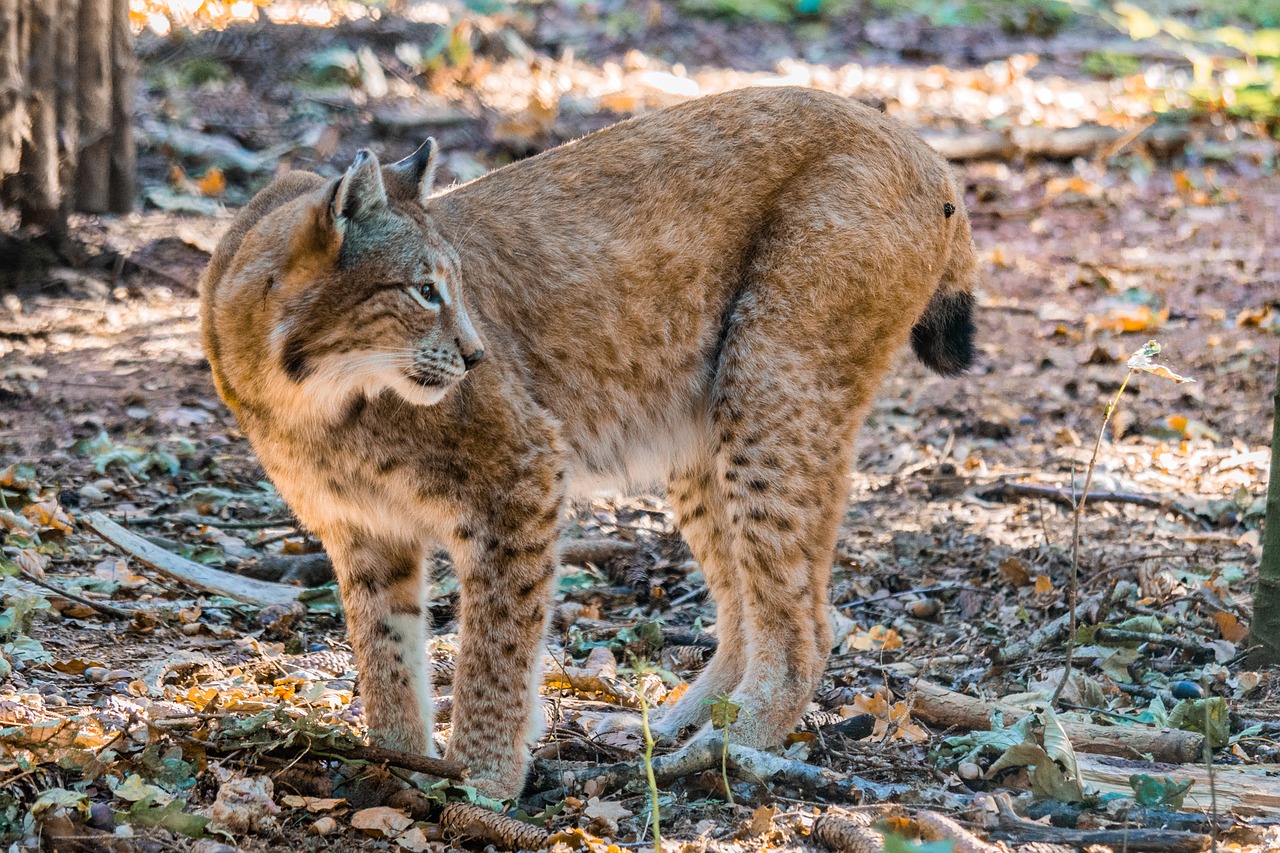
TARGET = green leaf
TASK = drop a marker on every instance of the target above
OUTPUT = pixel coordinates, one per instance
(149, 812)
(1115, 663)
(1156, 793)
(1145, 624)
(724, 711)
(135, 790)
(1189, 715)
(55, 797)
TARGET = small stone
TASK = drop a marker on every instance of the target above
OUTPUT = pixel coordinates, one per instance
(1186, 690)
(92, 493)
(96, 674)
(969, 771)
(101, 817)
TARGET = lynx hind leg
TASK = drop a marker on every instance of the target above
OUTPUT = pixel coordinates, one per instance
(698, 498)
(382, 585)
(785, 429)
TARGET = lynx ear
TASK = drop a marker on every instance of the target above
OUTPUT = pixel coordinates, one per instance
(360, 192)
(414, 176)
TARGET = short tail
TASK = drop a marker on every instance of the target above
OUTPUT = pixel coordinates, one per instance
(943, 336)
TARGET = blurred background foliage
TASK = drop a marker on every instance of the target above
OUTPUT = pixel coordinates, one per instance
(1230, 48)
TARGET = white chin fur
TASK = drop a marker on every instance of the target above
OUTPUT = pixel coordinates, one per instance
(326, 394)
(418, 395)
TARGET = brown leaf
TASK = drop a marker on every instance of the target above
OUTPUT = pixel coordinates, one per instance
(381, 821)
(1233, 630)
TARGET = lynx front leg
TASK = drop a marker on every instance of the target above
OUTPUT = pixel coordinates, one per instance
(506, 567)
(381, 582)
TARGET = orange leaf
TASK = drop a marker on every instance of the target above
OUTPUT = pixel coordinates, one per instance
(213, 183)
(1044, 584)
(1233, 630)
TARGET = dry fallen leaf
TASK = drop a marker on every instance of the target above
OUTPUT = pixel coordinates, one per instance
(312, 804)
(762, 820)
(381, 820)
(1233, 630)
(413, 839)
(213, 183)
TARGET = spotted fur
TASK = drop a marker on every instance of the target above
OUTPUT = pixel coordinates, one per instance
(707, 296)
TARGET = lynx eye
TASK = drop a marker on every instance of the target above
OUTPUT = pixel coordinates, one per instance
(427, 290)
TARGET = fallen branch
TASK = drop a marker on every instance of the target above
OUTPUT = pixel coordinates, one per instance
(1243, 790)
(1119, 635)
(749, 764)
(208, 521)
(308, 570)
(1042, 636)
(941, 707)
(248, 590)
(1050, 143)
(579, 552)
(1013, 827)
(1004, 489)
(405, 760)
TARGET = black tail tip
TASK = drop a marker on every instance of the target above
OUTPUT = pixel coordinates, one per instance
(943, 336)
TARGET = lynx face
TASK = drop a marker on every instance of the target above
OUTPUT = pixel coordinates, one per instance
(384, 309)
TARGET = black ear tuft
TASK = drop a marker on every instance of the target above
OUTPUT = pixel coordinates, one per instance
(947, 209)
(943, 336)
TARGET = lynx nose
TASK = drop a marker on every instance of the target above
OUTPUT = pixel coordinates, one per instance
(471, 359)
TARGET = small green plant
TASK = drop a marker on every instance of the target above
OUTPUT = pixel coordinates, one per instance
(1139, 362)
(724, 713)
(641, 669)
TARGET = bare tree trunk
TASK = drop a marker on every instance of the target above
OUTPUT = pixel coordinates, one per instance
(1265, 631)
(93, 176)
(123, 181)
(13, 107)
(39, 184)
(68, 111)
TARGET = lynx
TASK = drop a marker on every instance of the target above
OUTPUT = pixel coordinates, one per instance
(705, 297)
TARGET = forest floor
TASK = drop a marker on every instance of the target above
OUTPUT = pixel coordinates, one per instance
(130, 699)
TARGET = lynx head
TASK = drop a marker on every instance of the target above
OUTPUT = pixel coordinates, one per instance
(370, 296)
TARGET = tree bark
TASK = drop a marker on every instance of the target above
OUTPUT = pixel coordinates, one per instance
(66, 104)
(93, 177)
(13, 107)
(39, 187)
(1265, 631)
(68, 113)
(123, 185)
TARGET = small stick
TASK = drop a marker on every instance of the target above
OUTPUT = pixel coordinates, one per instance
(98, 606)
(1073, 580)
(1005, 488)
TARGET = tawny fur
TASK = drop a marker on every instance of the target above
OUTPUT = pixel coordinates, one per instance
(706, 296)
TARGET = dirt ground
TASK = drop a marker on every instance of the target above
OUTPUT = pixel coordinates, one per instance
(948, 561)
